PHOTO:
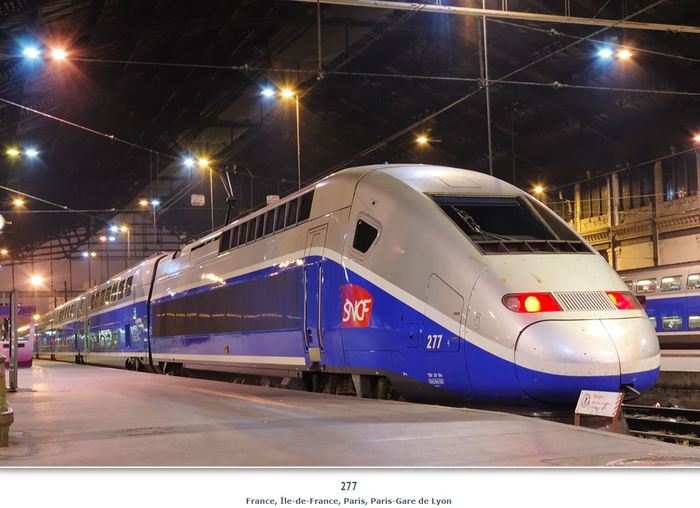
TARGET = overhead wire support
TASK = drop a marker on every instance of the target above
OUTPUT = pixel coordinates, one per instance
(508, 14)
(485, 76)
(318, 37)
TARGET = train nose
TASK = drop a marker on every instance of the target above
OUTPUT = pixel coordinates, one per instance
(555, 360)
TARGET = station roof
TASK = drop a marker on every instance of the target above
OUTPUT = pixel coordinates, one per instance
(148, 82)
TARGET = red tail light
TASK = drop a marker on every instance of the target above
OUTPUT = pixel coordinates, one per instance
(623, 300)
(531, 302)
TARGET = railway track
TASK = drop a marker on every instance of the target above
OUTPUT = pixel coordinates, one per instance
(673, 425)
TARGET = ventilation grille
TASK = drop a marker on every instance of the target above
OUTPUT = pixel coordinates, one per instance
(584, 300)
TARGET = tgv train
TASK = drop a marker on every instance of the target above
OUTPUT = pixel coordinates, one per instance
(381, 280)
(672, 295)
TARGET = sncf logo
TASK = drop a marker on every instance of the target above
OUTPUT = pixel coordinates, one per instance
(357, 306)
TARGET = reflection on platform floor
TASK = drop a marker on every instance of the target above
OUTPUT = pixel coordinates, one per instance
(68, 414)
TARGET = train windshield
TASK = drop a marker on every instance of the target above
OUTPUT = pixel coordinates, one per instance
(508, 224)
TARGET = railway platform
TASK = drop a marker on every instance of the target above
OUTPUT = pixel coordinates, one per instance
(73, 415)
(680, 360)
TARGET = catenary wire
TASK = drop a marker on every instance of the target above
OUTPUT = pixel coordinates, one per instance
(451, 105)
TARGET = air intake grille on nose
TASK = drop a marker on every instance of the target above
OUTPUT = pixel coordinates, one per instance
(584, 300)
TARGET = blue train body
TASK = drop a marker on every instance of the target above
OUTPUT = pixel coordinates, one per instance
(373, 277)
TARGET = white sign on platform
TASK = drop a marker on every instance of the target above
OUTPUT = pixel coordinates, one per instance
(197, 200)
(599, 403)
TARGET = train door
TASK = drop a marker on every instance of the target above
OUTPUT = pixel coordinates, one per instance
(445, 363)
(313, 281)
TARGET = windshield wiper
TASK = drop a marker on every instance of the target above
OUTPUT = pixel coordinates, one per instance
(469, 221)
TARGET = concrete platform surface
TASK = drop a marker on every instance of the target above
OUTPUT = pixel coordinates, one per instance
(71, 415)
(680, 360)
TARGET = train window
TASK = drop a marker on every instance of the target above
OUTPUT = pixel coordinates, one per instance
(224, 241)
(242, 233)
(488, 218)
(305, 203)
(266, 304)
(503, 225)
(693, 321)
(646, 286)
(234, 237)
(251, 230)
(630, 284)
(259, 226)
(562, 230)
(671, 323)
(365, 234)
(113, 294)
(120, 290)
(671, 283)
(279, 218)
(694, 281)
(127, 286)
(292, 207)
(269, 222)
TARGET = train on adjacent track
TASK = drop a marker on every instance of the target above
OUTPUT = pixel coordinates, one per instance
(672, 302)
(385, 280)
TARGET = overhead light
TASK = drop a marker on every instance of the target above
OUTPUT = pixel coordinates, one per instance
(111, 238)
(31, 152)
(155, 202)
(267, 92)
(93, 254)
(4, 252)
(114, 228)
(287, 93)
(36, 280)
(189, 162)
(696, 138)
(18, 202)
(605, 53)
(12, 152)
(143, 202)
(624, 54)
(85, 254)
(59, 54)
(123, 228)
(538, 189)
(31, 52)
(203, 162)
(103, 238)
(422, 140)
